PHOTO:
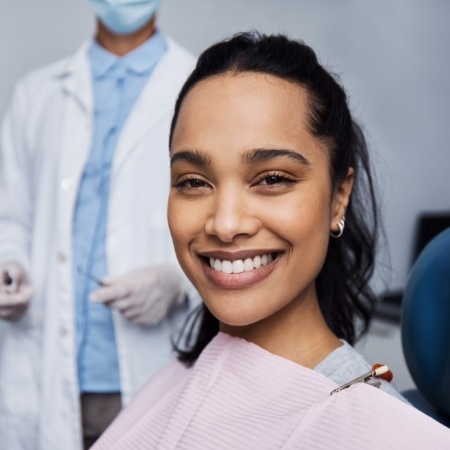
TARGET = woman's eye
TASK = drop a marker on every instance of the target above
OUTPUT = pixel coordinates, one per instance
(274, 179)
(195, 183)
(190, 184)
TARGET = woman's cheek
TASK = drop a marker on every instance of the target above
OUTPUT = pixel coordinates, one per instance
(184, 223)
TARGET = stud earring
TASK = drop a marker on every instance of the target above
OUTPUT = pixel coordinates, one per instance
(341, 225)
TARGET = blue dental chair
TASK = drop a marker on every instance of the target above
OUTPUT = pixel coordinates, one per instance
(425, 326)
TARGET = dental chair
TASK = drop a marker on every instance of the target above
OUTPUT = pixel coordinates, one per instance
(425, 328)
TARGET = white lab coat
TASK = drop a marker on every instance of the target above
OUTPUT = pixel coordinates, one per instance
(46, 138)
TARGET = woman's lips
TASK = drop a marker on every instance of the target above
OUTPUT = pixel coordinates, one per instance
(235, 273)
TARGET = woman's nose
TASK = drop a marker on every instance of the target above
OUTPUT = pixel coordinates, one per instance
(231, 216)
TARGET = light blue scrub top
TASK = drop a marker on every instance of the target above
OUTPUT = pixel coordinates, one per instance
(117, 83)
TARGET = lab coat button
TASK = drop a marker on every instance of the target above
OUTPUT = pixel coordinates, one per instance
(63, 331)
(66, 183)
(61, 257)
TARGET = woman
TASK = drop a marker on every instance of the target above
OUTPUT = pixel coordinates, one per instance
(266, 165)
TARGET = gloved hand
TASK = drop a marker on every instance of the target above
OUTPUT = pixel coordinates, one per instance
(143, 296)
(15, 291)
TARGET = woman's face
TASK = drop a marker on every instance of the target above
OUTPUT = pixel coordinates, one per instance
(251, 204)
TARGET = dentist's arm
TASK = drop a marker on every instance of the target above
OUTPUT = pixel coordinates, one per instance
(16, 207)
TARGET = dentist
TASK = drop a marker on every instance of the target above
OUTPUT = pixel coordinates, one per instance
(89, 289)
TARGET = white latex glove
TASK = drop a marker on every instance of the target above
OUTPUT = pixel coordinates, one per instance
(15, 291)
(143, 296)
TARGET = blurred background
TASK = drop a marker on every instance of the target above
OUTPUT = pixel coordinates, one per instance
(393, 57)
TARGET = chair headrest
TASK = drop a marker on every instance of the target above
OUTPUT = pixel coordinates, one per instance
(426, 322)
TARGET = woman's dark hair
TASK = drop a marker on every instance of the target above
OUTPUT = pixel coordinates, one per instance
(345, 298)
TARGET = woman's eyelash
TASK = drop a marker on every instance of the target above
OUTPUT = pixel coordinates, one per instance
(189, 182)
(276, 178)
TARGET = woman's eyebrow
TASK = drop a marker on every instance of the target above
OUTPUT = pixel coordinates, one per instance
(191, 156)
(261, 155)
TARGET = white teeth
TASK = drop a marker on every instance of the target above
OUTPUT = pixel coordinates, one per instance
(248, 264)
(227, 267)
(218, 265)
(239, 266)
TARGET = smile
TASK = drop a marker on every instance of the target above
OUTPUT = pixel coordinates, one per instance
(241, 265)
(238, 270)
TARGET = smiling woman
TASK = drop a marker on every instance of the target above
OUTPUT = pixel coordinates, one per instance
(262, 137)
(266, 165)
(261, 196)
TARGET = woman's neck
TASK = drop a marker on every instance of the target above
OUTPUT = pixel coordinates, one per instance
(302, 337)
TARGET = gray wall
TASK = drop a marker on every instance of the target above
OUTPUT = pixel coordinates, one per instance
(393, 57)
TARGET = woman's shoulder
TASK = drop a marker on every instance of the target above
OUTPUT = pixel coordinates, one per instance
(345, 364)
(364, 417)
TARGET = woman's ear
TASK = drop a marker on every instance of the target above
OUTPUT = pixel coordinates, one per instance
(341, 197)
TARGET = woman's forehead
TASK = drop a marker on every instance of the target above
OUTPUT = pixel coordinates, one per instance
(243, 104)
(235, 85)
(235, 114)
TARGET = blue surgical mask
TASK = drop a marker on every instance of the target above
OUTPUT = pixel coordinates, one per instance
(124, 16)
